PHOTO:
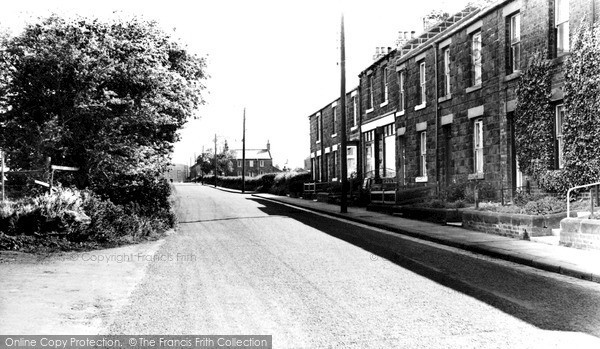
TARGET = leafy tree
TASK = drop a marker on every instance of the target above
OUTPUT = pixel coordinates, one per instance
(581, 127)
(107, 97)
(225, 160)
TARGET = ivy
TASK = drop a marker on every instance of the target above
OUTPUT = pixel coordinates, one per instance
(534, 116)
(581, 125)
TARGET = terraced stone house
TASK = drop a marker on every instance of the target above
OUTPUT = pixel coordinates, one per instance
(438, 108)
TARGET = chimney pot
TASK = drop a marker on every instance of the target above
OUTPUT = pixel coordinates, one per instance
(405, 35)
(412, 34)
(377, 50)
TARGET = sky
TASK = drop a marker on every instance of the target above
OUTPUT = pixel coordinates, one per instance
(278, 60)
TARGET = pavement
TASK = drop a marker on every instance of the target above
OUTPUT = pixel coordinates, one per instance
(582, 264)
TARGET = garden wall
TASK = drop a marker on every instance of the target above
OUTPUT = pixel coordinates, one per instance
(580, 233)
(509, 224)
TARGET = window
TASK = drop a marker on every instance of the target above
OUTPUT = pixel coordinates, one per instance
(239, 163)
(562, 26)
(478, 146)
(560, 117)
(514, 61)
(389, 133)
(354, 111)
(423, 154)
(401, 86)
(351, 160)
(422, 92)
(369, 163)
(334, 164)
(251, 163)
(318, 128)
(334, 111)
(384, 84)
(370, 91)
(261, 163)
(447, 71)
(476, 59)
(402, 145)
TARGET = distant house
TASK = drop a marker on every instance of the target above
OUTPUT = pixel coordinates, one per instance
(177, 173)
(258, 162)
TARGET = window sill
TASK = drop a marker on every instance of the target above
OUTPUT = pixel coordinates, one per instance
(516, 74)
(421, 106)
(353, 128)
(384, 104)
(368, 110)
(334, 135)
(400, 113)
(479, 175)
(445, 98)
(473, 88)
(421, 179)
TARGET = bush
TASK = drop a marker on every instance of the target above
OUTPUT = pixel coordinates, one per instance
(73, 219)
(554, 181)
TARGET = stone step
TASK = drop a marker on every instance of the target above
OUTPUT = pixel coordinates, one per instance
(549, 240)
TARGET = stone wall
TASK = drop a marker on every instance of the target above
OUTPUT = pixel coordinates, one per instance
(580, 233)
(513, 225)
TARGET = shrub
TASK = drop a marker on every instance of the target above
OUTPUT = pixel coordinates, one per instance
(554, 181)
(69, 218)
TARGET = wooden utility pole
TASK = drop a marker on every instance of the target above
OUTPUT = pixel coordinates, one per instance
(215, 160)
(244, 153)
(2, 174)
(343, 201)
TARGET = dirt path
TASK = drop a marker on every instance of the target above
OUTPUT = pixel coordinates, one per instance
(71, 293)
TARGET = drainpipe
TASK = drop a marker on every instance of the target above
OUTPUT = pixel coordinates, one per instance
(437, 115)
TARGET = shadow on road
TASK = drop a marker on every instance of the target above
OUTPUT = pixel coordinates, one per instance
(222, 219)
(545, 302)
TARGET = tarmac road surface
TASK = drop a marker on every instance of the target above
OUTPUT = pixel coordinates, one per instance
(242, 265)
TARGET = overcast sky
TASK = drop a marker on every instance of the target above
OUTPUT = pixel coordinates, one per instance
(278, 59)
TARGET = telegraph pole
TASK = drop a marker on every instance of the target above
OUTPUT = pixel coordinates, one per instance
(343, 202)
(215, 160)
(2, 174)
(244, 153)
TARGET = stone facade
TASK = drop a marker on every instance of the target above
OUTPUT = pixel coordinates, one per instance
(465, 132)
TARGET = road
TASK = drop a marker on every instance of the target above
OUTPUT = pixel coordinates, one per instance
(243, 265)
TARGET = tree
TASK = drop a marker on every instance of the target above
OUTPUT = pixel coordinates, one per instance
(225, 160)
(107, 97)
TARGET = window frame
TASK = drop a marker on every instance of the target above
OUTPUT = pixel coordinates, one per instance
(369, 92)
(514, 42)
(423, 154)
(422, 83)
(384, 84)
(354, 111)
(401, 93)
(478, 145)
(318, 128)
(446, 62)
(561, 21)
(476, 59)
(261, 163)
(558, 133)
(334, 119)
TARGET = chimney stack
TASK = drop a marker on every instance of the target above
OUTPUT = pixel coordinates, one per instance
(268, 146)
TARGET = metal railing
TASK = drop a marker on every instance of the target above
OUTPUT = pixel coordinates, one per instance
(591, 197)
